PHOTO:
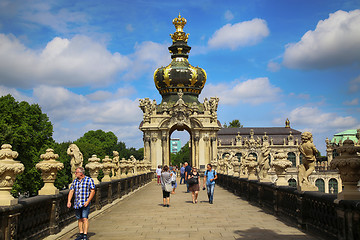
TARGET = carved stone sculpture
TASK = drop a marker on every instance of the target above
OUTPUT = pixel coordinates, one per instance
(250, 163)
(94, 166)
(348, 164)
(116, 161)
(107, 167)
(123, 167)
(9, 168)
(264, 165)
(49, 168)
(309, 151)
(280, 165)
(134, 165)
(76, 158)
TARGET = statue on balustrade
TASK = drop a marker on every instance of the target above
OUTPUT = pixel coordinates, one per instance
(116, 170)
(264, 165)
(76, 158)
(309, 152)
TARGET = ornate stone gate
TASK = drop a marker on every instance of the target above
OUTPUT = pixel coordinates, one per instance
(180, 84)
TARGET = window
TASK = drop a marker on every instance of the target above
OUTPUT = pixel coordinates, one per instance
(333, 186)
(292, 182)
(334, 153)
(301, 158)
(253, 154)
(320, 184)
(292, 158)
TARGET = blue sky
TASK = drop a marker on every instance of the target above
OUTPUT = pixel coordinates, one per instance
(87, 63)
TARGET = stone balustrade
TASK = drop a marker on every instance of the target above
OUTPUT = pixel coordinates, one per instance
(40, 216)
(314, 212)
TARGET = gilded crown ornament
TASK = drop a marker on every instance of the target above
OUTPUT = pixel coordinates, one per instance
(179, 35)
(179, 74)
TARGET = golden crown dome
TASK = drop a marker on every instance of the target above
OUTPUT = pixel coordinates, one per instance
(179, 74)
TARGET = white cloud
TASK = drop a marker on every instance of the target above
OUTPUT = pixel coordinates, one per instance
(334, 42)
(313, 119)
(129, 27)
(353, 102)
(354, 85)
(15, 93)
(147, 57)
(241, 34)
(253, 91)
(273, 66)
(66, 62)
(229, 15)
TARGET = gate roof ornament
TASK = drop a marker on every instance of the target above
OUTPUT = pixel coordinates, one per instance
(179, 74)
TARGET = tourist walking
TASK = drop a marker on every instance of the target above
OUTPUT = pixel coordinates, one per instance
(173, 180)
(187, 173)
(193, 181)
(210, 176)
(182, 174)
(84, 189)
(158, 174)
(166, 185)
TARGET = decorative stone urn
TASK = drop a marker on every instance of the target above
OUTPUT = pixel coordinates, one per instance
(9, 168)
(49, 168)
(123, 167)
(280, 164)
(94, 166)
(251, 164)
(236, 166)
(348, 164)
(107, 168)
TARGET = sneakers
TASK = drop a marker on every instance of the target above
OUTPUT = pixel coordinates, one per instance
(80, 236)
(85, 237)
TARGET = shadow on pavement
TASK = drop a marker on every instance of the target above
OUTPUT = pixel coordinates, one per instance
(266, 234)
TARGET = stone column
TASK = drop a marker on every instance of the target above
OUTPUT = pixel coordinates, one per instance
(280, 164)
(49, 168)
(348, 164)
(146, 140)
(153, 150)
(107, 167)
(164, 147)
(9, 168)
(94, 166)
(196, 150)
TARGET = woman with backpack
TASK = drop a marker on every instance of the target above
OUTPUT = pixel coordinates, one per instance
(210, 176)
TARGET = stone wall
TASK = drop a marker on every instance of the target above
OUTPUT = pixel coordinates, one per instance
(40, 216)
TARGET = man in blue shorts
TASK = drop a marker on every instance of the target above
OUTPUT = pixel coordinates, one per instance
(210, 176)
(84, 189)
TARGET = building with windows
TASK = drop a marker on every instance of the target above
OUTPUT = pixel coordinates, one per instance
(241, 142)
(175, 145)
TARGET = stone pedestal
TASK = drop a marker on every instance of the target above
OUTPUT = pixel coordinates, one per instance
(107, 168)
(280, 165)
(236, 166)
(9, 168)
(49, 168)
(94, 166)
(348, 164)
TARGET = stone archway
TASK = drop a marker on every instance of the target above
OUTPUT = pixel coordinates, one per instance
(180, 84)
(158, 125)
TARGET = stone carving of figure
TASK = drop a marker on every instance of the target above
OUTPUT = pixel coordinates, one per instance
(264, 165)
(116, 161)
(309, 151)
(206, 104)
(76, 158)
(133, 162)
(228, 163)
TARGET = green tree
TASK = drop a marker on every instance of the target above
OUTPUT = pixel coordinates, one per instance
(29, 131)
(233, 124)
(182, 156)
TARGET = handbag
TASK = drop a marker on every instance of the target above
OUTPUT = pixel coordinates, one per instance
(192, 181)
(168, 187)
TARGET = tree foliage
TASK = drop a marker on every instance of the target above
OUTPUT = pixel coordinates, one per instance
(29, 131)
(182, 156)
(233, 124)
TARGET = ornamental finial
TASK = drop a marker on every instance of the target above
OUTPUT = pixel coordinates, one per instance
(179, 24)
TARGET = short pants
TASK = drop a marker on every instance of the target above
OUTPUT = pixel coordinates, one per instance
(82, 212)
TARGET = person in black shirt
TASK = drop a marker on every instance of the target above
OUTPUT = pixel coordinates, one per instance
(194, 187)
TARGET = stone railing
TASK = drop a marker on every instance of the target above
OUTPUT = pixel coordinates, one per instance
(315, 212)
(40, 216)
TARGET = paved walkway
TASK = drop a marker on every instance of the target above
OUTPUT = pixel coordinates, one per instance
(142, 216)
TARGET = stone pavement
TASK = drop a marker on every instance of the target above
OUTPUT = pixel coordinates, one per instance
(142, 216)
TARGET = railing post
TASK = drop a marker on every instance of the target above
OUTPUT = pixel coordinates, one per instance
(97, 197)
(54, 218)
(109, 195)
(119, 189)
